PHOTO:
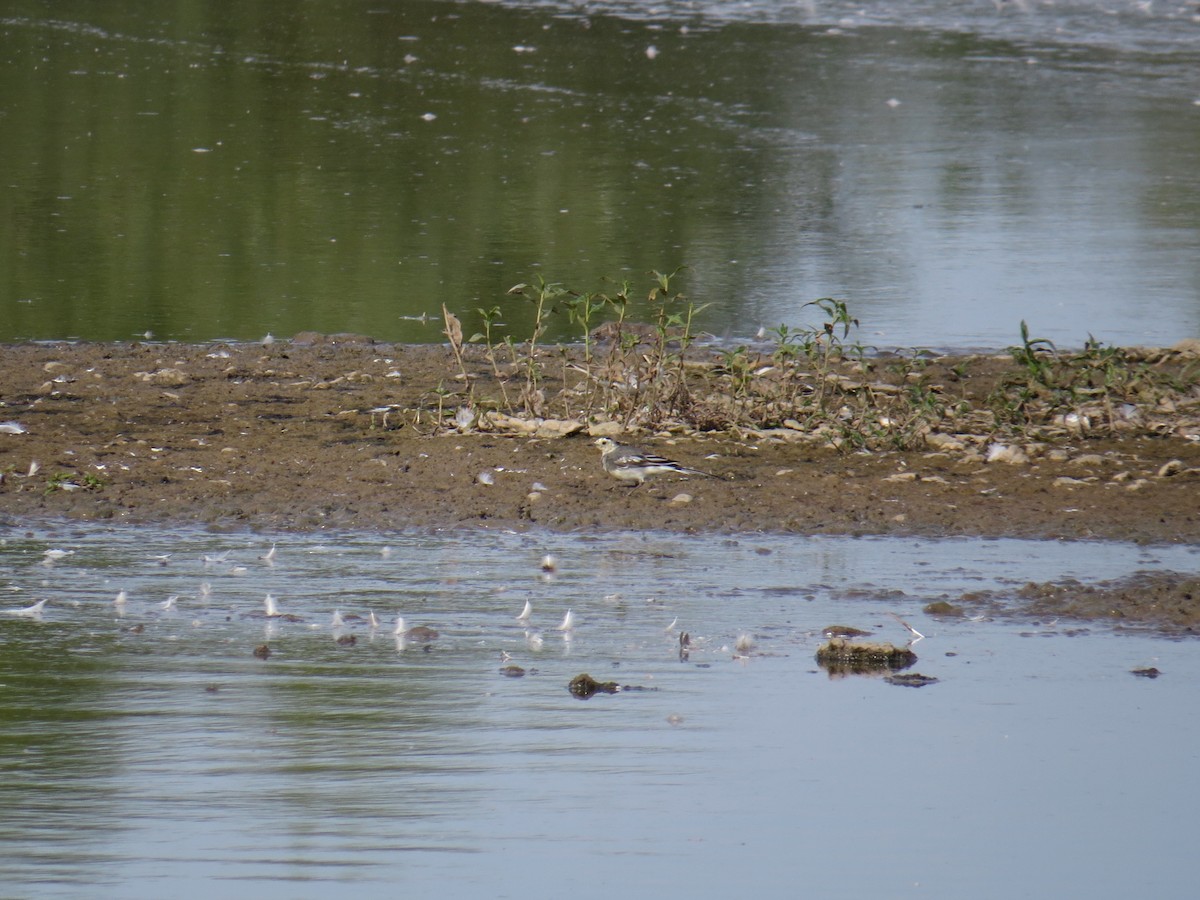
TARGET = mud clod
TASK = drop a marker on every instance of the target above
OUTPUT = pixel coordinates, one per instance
(842, 657)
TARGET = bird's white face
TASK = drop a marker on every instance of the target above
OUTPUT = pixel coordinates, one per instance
(605, 444)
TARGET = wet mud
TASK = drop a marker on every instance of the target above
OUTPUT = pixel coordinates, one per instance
(351, 435)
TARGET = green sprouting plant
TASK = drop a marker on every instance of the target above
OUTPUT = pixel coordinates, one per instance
(789, 344)
(66, 481)
(823, 346)
(617, 367)
(490, 319)
(544, 296)
(582, 308)
(1036, 356)
(442, 393)
(672, 317)
(736, 365)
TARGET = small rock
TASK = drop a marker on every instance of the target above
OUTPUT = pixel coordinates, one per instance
(558, 428)
(1005, 453)
(605, 429)
(944, 442)
(1066, 481)
(1074, 422)
(499, 421)
(164, 377)
(681, 499)
(1174, 467)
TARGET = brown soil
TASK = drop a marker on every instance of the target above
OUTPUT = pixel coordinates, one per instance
(293, 436)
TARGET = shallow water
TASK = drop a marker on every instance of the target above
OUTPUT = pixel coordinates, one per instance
(211, 170)
(148, 753)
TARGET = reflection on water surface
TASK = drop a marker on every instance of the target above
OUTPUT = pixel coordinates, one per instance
(221, 169)
(147, 751)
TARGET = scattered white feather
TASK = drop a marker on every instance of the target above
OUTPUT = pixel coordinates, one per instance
(526, 612)
(170, 602)
(28, 612)
(121, 598)
(271, 606)
(917, 636)
(464, 418)
(568, 622)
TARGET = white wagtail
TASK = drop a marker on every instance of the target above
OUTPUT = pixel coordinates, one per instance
(634, 465)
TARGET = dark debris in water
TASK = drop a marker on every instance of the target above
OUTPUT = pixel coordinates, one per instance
(1148, 672)
(584, 686)
(944, 608)
(911, 679)
(839, 656)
